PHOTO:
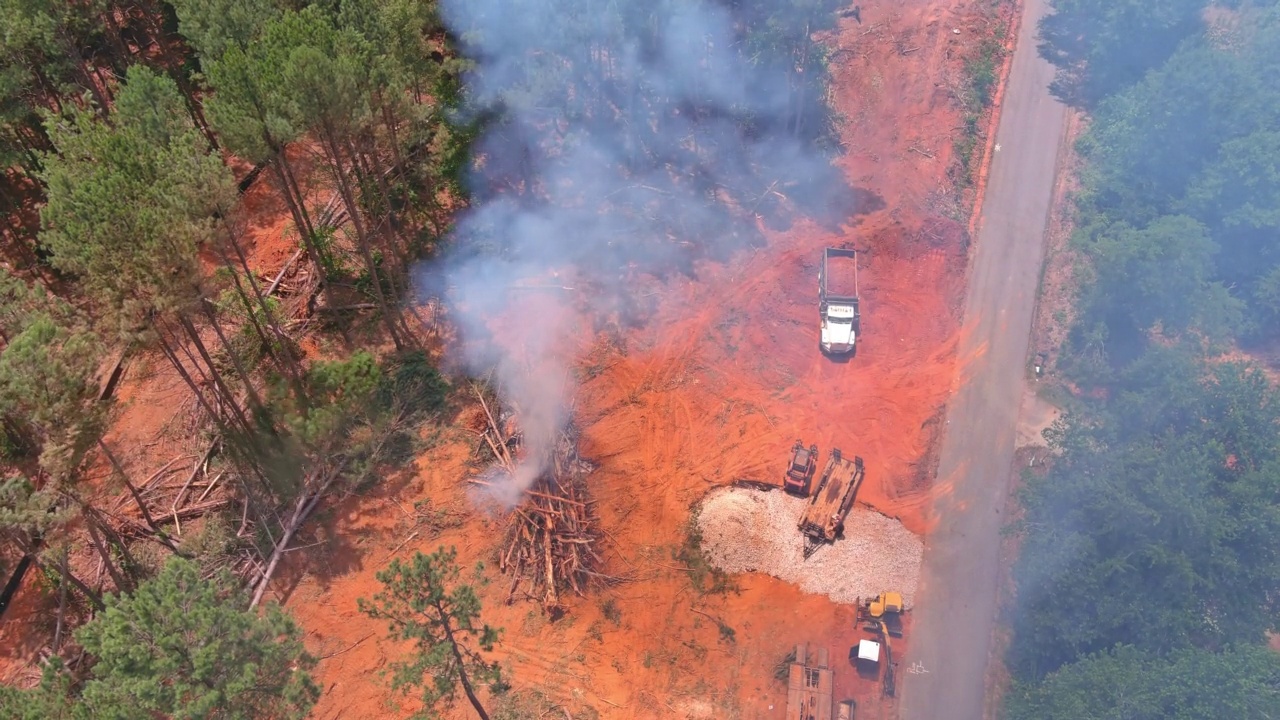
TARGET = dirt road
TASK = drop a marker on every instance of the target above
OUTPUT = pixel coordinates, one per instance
(943, 672)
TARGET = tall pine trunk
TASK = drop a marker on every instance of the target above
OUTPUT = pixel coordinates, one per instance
(100, 545)
(301, 220)
(194, 108)
(167, 348)
(137, 496)
(94, 598)
(286, 365)
(373, 172)
(214, 374)
(206, 307)
(285, 360)
(250, 311)
(462, 665)
(333, 150)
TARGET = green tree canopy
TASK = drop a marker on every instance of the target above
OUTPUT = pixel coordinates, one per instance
(130, 201)
(44, 49)
(22, 302)
(1177, 212)
(1128, 684)
(185, 647)
(1152, 528)
(251, 107)
(47, 385)
(50, 700)
(1101, 46)
(1160, 274)
(424, 603)
(214, 26)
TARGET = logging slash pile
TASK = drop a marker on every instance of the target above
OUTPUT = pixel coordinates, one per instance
(551, 535)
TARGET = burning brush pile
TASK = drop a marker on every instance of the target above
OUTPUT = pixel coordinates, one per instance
(551, 535)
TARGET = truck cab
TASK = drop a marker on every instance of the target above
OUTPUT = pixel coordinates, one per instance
(839, 328)
(838, 301)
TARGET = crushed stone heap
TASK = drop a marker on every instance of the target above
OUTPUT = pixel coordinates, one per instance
(747, 530)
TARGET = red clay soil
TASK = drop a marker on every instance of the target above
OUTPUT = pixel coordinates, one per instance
(719, 383)
(716, 387)
(270, 239)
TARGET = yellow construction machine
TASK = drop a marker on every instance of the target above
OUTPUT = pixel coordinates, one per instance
(888, 602)
(883, 616)
(887, 608)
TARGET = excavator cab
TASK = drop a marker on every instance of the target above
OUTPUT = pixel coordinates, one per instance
(887, 609)
(804, 462)
(889, 602)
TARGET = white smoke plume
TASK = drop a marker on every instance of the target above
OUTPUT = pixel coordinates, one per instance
(630, 138)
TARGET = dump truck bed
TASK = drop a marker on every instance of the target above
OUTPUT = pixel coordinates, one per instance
(831, 503)
(839, 275)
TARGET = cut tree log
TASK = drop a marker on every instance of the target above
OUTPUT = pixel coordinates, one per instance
(209, 488)
(112, 377)
(146, 486)
(271, 289)
(305, 505)
(533, 493)
(500, 445)
(347, 308)
(552, 599)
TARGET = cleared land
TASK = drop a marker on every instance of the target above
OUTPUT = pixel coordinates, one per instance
(716, 386)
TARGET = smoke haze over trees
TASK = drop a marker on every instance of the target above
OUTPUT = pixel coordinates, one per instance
(1148, 573)
(623, 139)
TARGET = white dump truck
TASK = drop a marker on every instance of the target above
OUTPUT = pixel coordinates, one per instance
(838, 301)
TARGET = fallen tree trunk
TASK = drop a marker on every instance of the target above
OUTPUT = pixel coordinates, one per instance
(113, 376)
(347, 308)
(15, 582)
(280, 276)
(243, 186)
(306, 504)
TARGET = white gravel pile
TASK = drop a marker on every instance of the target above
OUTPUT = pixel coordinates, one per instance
(746, 530)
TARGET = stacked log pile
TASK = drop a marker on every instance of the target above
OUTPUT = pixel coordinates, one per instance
(551, 534)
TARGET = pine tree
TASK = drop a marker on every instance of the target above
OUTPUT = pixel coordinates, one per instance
(251, 113)
(50, 700)
(130, 202)
(45, 47)
(214, 26)
(46, 384)
(49, 398)
(328, 75)
(186, 648)
(423, 602)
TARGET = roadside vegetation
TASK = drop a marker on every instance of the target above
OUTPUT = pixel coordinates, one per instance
(978, 93)
(1148, 577)
(129, 135)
